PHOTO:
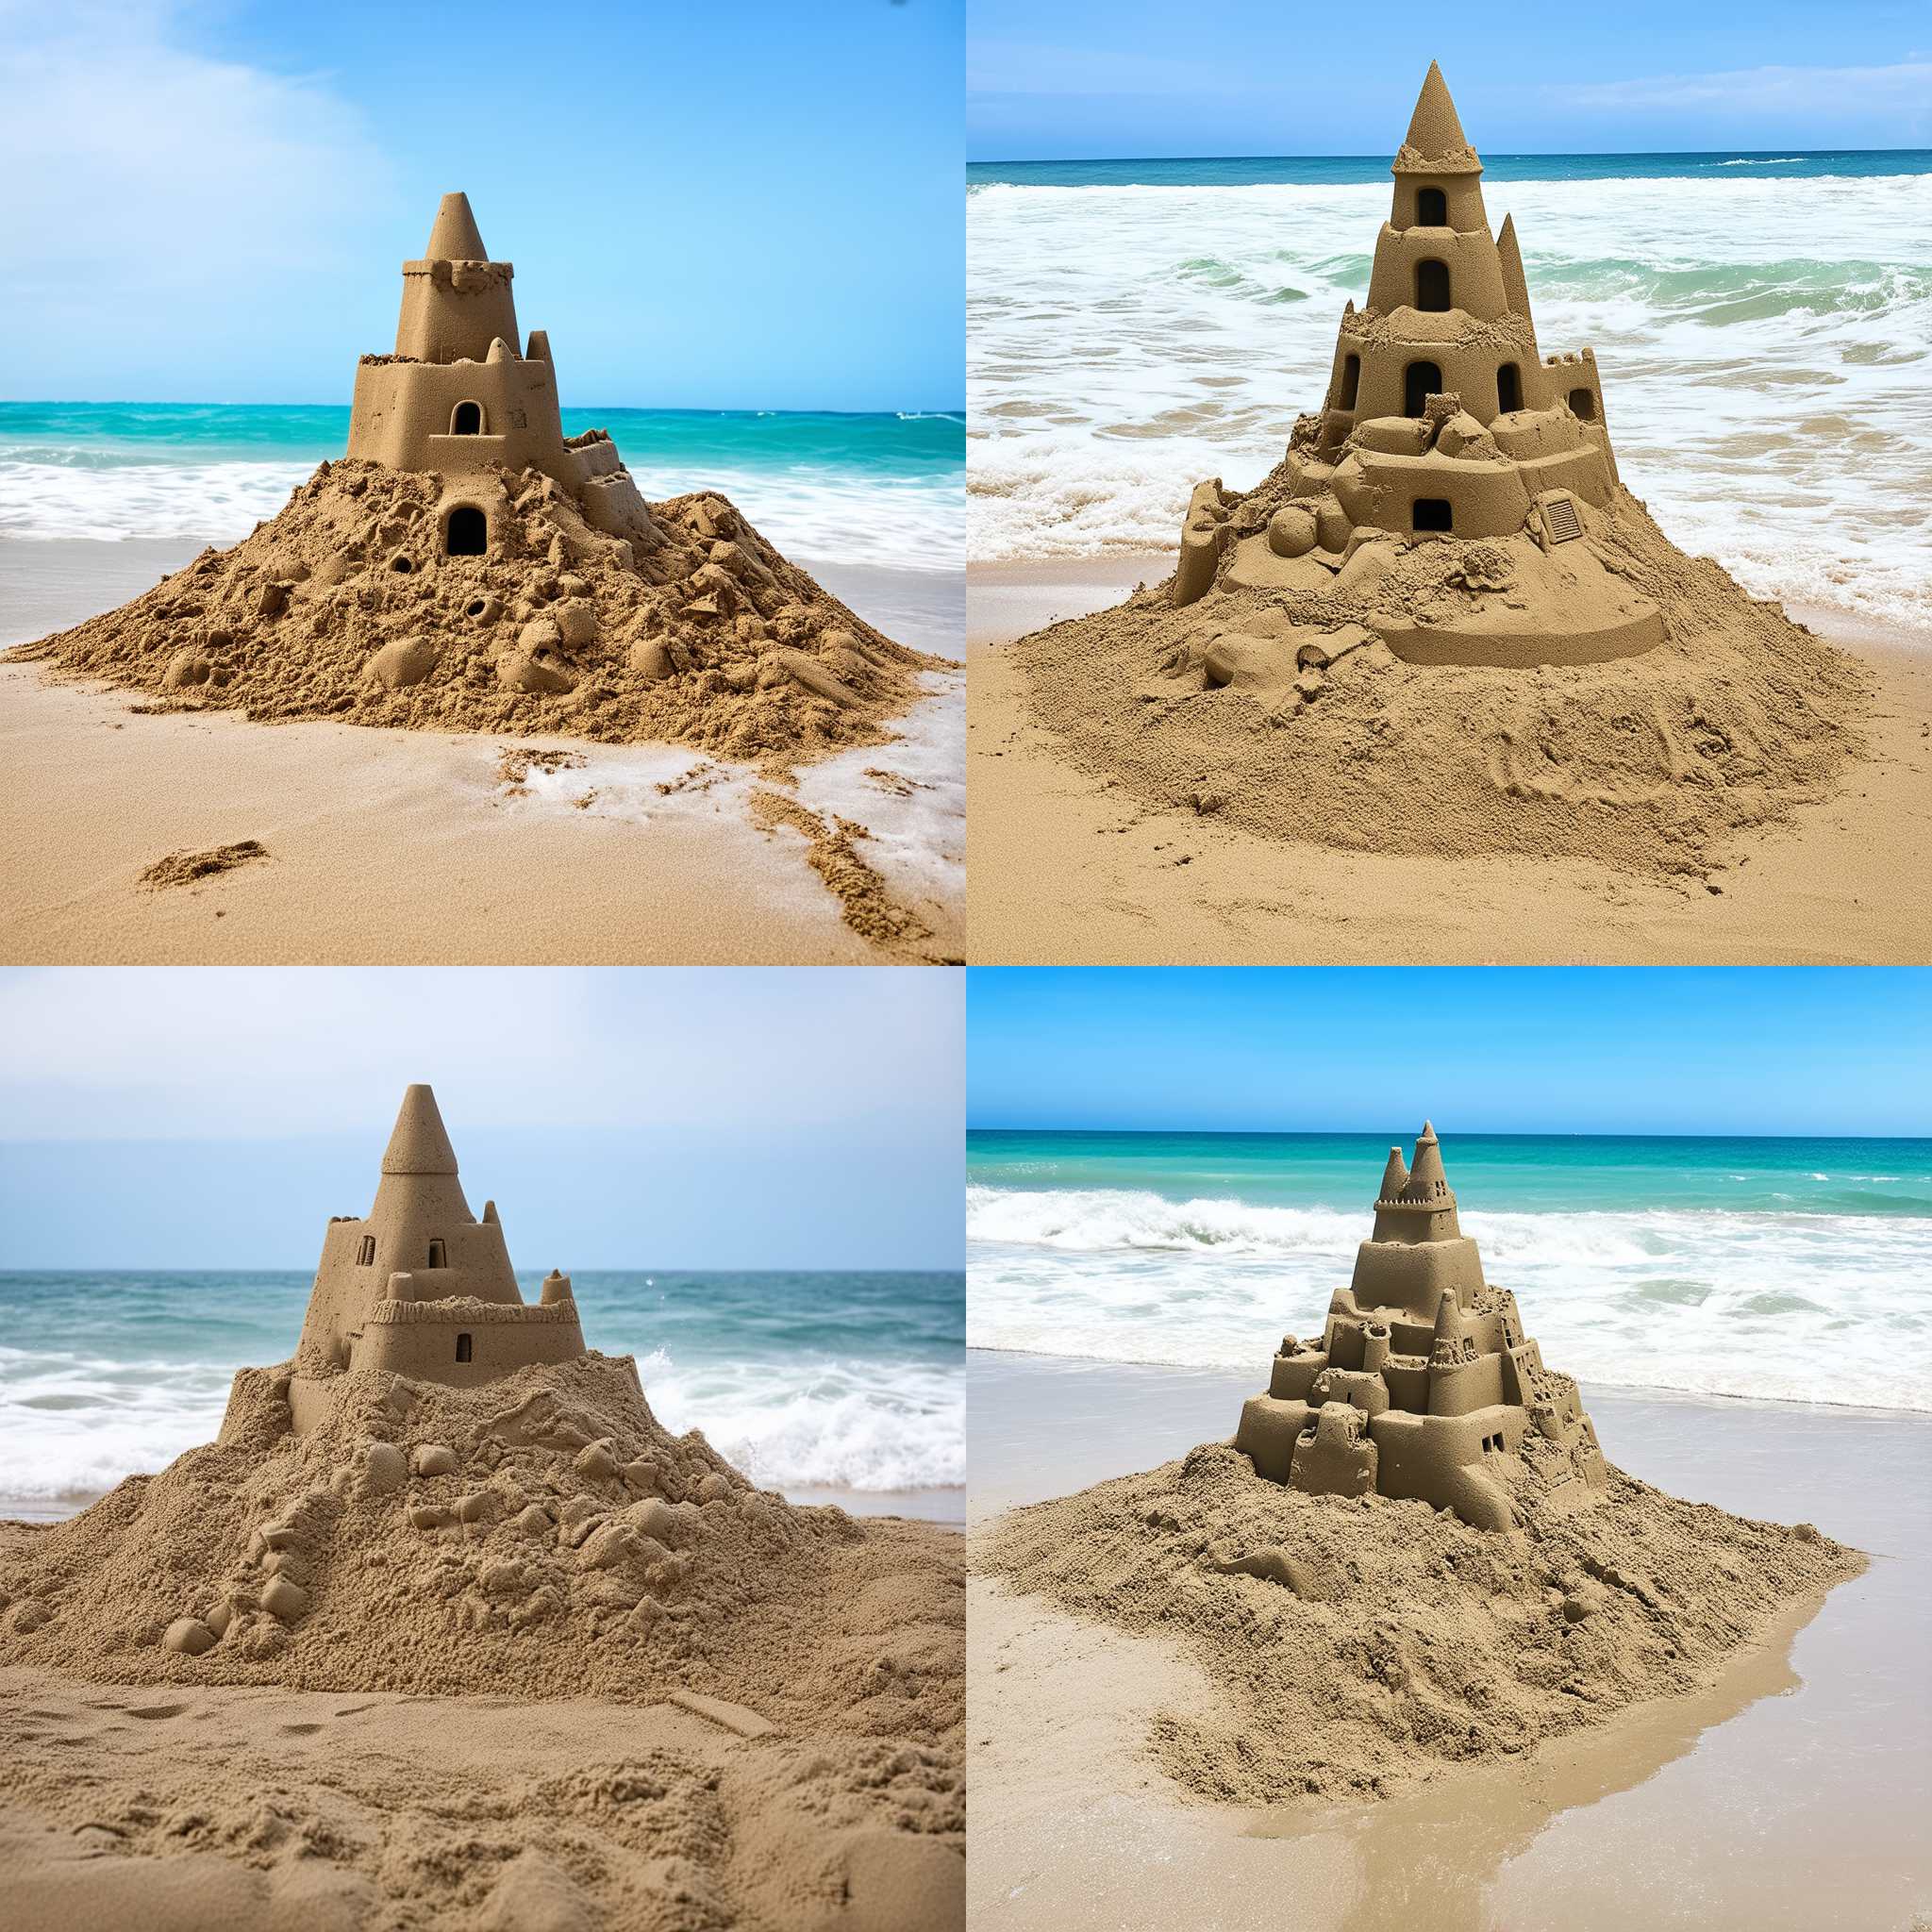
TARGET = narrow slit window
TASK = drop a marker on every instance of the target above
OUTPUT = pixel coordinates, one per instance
(1351, 380)
(1509, 388)
(463, 1348)
(1420, 381)
(366, 1253)
(1431, 513)
(467, 419)
(438, 1255)
(1432, 285)
(1431, 208)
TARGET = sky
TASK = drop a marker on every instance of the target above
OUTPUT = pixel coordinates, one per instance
(1759, 1050)
(745, 206)
(1098, 79)
(728, 1118)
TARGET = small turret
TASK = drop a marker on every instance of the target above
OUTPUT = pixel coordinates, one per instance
(1515, 285)
(1428, 1184)
(1394, 1176)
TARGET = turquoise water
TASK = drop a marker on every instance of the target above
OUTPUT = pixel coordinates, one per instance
(809, 1381)
(862, 489)
(1789, 1269)
(1325, 170)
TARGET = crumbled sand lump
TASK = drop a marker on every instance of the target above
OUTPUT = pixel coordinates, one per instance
(692, 630)
(1360, 1644)
(1442, 626)
(186, 868)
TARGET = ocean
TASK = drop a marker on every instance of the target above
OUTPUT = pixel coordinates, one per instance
(1763, 324)
(1779, 1270)
(835, 1387)
(875, 489)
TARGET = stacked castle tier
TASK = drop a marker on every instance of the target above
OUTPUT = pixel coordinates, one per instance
(1442, 422)
(1423, 1383)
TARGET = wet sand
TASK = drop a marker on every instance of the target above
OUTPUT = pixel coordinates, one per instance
(1067, 870)
(1788, 1794)
(364, 828)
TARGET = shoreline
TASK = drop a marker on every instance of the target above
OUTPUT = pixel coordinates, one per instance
(616, 862)
(1071, 869)
(1769, 1798)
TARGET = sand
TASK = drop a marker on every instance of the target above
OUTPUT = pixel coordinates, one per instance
(540, 1536)
(1078, 867)
(616, 862)
(1778, 1795)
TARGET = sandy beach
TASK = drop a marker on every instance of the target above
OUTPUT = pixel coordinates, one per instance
(1780, 1796)
(614, 861)
(1069, 869)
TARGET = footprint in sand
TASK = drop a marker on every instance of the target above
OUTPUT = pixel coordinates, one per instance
(155, 1710)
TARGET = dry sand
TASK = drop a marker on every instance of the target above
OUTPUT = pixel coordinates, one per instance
(1071, 867)
(616, 860)
(539, 1537)
(1784, 1793)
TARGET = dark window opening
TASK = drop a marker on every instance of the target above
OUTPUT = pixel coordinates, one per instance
(474, 608)
(1431, 208)
(1583, 405)
(468, 420)
(1430, 513)
(1420, 381)
(401, 565)
(438, 1256)
(1509, 388)
(366, 1253)
(462, 1348)
(469, 532)
(1351, 380)
(1432, 285)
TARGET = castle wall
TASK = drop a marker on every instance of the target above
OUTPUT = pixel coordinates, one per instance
(454, 309)
(1414, 1276)
(403, 413)
(1475, 272)
(420, 1339)
(1462, 194)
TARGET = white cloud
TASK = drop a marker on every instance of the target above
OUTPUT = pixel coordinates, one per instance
(1752, 90)
(137, 167)
(197, 1053)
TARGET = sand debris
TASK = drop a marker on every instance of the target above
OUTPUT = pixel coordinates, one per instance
(864, 899)
(186, 868)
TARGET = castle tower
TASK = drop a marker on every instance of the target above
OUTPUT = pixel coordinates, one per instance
(1422, 1382)
(420, 1286)
(456, 301)
(1444, 422)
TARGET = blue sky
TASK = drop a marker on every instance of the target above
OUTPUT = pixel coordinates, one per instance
(1072, 79)
(720, 1118)
(1764, 1050)
(755, 206)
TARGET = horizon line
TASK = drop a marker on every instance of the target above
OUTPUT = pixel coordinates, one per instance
(1533, 153)
(1491, 1133)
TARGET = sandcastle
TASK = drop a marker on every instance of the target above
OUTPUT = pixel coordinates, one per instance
(1422, 1382)
(468, 566)
(420, 1287)
(1443, 424)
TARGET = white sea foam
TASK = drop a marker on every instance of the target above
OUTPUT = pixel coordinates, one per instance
(1818, 1307)
(1764, 344)
(898, 523)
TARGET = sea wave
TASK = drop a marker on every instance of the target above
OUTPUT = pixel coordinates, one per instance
(1791, 1306)
(1764, 344)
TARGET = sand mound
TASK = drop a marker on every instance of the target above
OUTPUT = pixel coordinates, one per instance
(186, 868)
(1282, 710)
(687, 627)
(1360, 1644)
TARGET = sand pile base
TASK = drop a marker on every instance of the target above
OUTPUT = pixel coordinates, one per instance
(1360, 1644)
(1283, 711)
(688, 628)
(538, 1538)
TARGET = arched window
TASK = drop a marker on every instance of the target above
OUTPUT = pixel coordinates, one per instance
(468, 534)
(1431, 513)
(1509, 388)
(1420, 381)
(366, 1253)
(1583, 406)
(1432, 285)
(439, 1256)
(1431, 208)
(1351, 380)
(467, 419)
(463, 1351)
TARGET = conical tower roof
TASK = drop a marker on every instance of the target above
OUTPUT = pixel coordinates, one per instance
(1435, 132)
(457, 238)
(1427, 1180)
(420, 1143)
(1394, 1176)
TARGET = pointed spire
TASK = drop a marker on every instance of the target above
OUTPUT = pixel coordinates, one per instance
(419, 1144)
(456, 237)
(1427, 1180)
(1515, 288)
(1394, 1176)
(1433, 128)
